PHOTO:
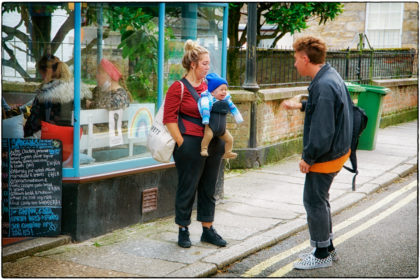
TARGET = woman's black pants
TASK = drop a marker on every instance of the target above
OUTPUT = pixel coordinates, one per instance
(196, 174)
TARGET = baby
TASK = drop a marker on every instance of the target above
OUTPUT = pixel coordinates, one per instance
(217, 102)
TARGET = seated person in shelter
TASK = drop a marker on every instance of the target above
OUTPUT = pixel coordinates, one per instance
(54, 100)
(213, 105)
(111, 92)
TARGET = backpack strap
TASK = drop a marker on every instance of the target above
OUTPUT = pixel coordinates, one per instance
(190, 89)
(194, 94)
(356, 172)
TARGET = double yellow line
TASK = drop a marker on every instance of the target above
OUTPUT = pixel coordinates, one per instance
(254, 271)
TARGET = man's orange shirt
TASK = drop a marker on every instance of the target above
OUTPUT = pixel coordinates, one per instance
(330, 166)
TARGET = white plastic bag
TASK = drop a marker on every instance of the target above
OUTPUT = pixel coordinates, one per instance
(159, 140)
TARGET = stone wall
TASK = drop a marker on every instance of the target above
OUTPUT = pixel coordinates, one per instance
(339, 34)
(410, 33)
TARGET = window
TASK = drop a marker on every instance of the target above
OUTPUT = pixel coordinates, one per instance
(119, 64)
(198, 22)
(122, 82)
(384, 24)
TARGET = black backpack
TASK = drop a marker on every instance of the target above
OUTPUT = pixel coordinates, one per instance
(360, 120)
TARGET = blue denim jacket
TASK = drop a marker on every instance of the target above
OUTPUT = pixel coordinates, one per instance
(328, 123)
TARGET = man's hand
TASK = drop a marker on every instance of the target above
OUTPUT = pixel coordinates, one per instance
(291, 104)
(304, 167)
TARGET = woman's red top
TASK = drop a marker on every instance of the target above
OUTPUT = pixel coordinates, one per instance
(188, 107)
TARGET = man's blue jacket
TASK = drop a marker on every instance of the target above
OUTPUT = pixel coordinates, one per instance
(328, 123)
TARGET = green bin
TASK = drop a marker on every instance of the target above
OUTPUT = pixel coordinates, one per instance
(354, 90)
(371, 102)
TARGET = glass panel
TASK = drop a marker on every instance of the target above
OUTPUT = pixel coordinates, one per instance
(37, 74)
(126, 36)
(197, 22)
(119, 65)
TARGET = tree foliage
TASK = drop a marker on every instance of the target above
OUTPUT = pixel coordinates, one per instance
(37, 20)
(139, 44)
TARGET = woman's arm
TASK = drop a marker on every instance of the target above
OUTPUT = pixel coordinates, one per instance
(171, 111)
(175, 133)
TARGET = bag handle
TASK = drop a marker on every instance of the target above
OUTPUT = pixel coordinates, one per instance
(182, 90)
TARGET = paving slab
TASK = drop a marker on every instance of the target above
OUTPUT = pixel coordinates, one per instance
(167, 251)
(241, 227)
(113, 258)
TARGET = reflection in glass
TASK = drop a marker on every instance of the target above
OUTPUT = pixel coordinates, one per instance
(125, 36)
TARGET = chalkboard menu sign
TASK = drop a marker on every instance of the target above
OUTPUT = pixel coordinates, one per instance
(31, 187)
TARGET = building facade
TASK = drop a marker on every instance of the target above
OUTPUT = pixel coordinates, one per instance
(386, 24)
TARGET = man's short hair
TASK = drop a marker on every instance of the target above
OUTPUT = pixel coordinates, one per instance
(313, 47)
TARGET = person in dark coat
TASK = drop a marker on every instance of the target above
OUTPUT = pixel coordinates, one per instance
(327, 137)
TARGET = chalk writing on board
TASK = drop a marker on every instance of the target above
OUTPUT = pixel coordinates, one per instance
(32, 187)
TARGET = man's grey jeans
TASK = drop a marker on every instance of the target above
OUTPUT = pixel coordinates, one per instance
(316, 201)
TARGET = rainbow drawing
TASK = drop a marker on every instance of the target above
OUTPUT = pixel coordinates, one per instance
(140, 121)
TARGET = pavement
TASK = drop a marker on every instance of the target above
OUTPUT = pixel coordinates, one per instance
(260, 207)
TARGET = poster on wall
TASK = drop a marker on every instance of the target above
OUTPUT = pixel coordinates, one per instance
(115, 128)
(140, 121)
(31, 187)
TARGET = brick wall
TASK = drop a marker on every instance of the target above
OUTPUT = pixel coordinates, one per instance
(403, 95)
(275, 123)
(240, 132)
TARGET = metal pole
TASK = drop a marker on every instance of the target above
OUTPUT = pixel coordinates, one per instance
(251, 70)
(224, 41)
(77, 80)
(161, 52)
(251, 51)
(99, 34)
(360, 46)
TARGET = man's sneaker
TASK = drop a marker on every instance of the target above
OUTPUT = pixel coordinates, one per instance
(312, 262)
(210, 236)
(184, 237)
(333, 254)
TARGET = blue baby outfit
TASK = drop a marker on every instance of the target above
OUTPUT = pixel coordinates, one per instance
(206, 102)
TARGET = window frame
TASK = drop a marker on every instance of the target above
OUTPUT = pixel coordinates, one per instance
(368, 19)
(115, 168)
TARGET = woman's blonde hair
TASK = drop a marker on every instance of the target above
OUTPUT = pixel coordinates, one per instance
(192, 53)
(60, 70)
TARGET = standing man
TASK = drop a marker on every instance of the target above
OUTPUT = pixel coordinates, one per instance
(327, 137)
